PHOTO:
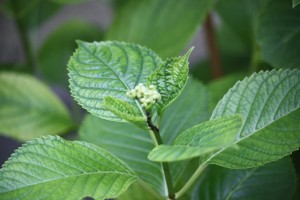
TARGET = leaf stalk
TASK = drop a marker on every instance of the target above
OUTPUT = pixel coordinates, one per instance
(190, 182)
(166, 170)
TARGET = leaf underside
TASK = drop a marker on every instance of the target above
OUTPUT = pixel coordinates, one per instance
(29, 109)
(269, 104)
(53, 168)
(101, 69)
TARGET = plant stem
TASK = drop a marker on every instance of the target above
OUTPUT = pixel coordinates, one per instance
(26, 44)
(158, 140)
(256, 59)
(212, 48)
(190, 182)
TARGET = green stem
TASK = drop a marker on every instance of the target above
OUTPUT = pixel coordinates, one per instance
(190, 182)
(256, 59)
(166, 170)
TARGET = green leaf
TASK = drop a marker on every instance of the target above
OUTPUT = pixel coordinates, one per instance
(126, 141)
(277, 32)
(240, 23)
(269, 104)
(101, 69)
(219, 87)
(29, 108)
(140, 190)
(135, 143)
(29, 14)
(295, 3)
(170, 79)
(53, 168)
(164, 26)
(274, 181)
(199, 140)
(125, 111)
(52, 59)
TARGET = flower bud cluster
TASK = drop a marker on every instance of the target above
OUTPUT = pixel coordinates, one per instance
(147, 96)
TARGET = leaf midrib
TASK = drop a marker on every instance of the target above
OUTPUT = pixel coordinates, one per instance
(117, 75)
(100, 60)
(72, 176)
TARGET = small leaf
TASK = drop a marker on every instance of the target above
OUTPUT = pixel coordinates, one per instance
(125, 111)
(199, 140)
(277, 32)
(269, 104)
(53, 168)
(29, 108)
(101, 69)
(274, 181)
(170, 79)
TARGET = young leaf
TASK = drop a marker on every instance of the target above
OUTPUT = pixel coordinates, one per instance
(29, 109)
(164, 26)
(277, 32)
(125, 111)
(53, 168)
(274, 181)
(204, 138)
(269, 104)
(170, 79)
(103, 69)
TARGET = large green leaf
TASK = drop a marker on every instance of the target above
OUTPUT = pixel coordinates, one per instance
(101, 69)
(29, 108)
(240, 23)
(278, 33)
(170, 79)
(164, 26)
(199, 140)
(29, 14)
(269, 104)
(53, 168)
(274, 181)
(52, 59)
(132, 144)
(218, 88)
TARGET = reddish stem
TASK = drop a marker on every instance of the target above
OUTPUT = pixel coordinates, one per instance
(217, 71)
